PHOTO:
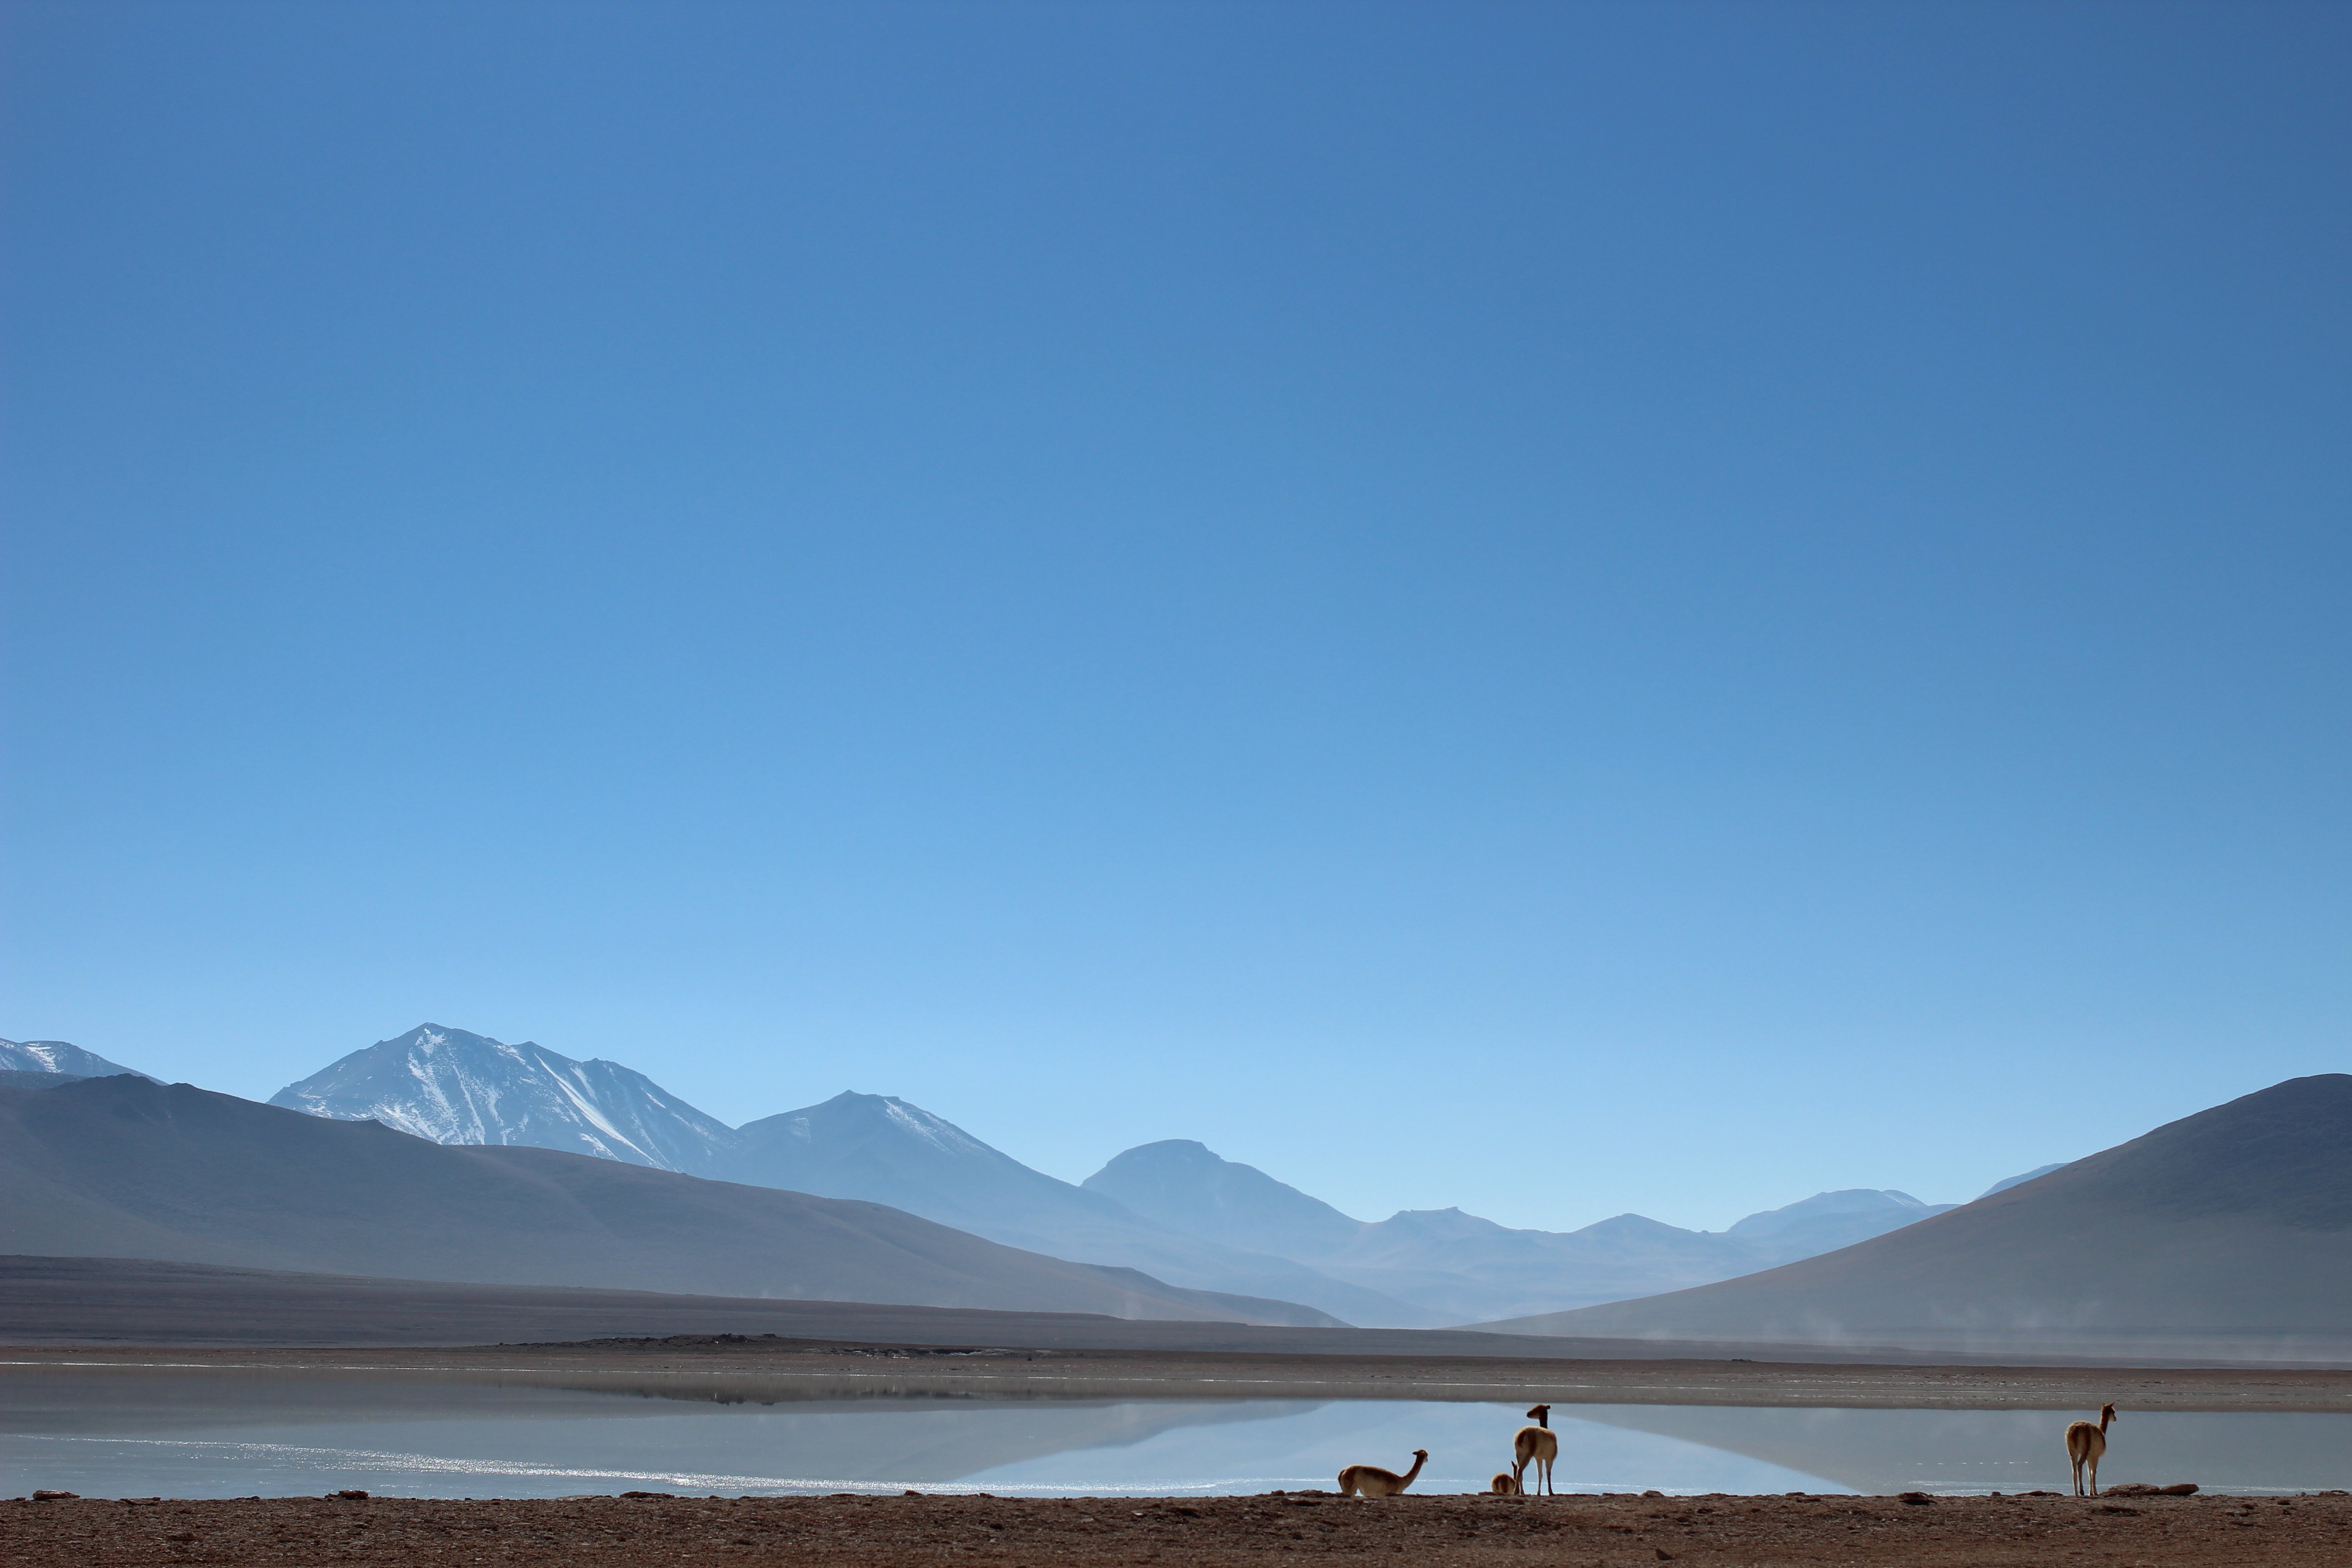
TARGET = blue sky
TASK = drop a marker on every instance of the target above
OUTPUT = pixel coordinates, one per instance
(1554, 608)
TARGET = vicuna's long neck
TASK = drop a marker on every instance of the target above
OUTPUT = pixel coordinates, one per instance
(1418, 1460)
(2105, 1417)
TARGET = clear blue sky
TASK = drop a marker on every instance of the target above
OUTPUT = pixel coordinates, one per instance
(1553, 608)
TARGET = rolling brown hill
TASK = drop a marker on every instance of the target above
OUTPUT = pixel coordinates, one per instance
(123, 1167)
(2232, 1226)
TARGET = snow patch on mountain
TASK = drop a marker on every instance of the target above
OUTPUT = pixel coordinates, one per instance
(938, 1133)
(59, 1055)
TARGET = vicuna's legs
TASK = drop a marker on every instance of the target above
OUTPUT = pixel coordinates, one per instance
(1536, 1445)
(2085, 1445)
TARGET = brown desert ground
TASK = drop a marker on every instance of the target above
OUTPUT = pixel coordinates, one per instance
(913, 1531)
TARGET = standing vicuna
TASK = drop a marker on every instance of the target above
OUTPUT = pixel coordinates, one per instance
(1373, 1482)
(2084, 1443)
(1538, 1442)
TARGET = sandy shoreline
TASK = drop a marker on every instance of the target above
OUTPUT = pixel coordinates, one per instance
(1619, 1531)
(787, 1368)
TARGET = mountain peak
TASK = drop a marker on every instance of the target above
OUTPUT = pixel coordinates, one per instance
(452, 1086)
(1185, 1185)
(1450, 1222)
(1187, 1151)
(851, 1118)
(1631, 1228)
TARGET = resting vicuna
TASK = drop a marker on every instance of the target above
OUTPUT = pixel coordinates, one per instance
(1538, 1443)
(1373, 1482)
(1505, 1484)
(2084, 1443)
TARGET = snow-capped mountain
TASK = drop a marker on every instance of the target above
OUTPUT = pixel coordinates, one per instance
(56, 1055)
(453, 1087)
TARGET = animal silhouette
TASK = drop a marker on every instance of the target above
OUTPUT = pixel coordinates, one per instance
(1537, 1444)
(1371, 1480)
(2084, 1443)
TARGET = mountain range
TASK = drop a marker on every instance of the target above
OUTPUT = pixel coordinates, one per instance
(124, 1167)
(2225, 1232)
(884, 1150)
(1455, 1263)
(2232, 1226)
(454, 1087)
(1172, 1209)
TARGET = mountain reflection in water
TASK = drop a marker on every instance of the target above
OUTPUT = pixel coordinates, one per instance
(118, 1432)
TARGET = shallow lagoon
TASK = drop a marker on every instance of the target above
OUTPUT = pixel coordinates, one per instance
(207, 1432)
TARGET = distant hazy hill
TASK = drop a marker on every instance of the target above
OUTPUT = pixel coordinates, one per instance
(458, 1088)
(884, 1150)
(1465, 1262)
(1181, 1185)
(56, 1055)
(124, 1167)
(2236, 1221)
(2008, 1181)
(1827, 1221)
(1463, 1268)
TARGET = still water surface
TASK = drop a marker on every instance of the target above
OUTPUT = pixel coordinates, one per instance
(201, 1432)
